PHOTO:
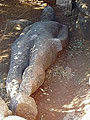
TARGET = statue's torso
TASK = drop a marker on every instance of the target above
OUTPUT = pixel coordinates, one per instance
(46, 29)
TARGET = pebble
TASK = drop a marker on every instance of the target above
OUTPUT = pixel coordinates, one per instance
(4, 111)
(14, 118)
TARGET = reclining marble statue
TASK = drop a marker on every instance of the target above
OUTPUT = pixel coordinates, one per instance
(31, 54)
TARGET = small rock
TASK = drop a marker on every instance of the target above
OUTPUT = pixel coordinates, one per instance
(14, 118)
(24, 106)
(69, 116)
(4, 111)
(48, 99)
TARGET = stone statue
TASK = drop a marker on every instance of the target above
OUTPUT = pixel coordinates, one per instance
(31, 54)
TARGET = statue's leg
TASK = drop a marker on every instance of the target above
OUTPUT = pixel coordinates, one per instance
(63, 35)
(22, 104)
(19, 61)
(44, 53)
(33, 78)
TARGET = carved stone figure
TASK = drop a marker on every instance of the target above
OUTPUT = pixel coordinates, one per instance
(31, 54)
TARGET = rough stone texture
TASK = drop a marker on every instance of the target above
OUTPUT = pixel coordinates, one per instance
(31, 54)
(84, 22)
(67, 4)
(29, 44)
(14, 118)
(47, 16)
(4, 111)
(84, 6)
(24, 106)
(17, 65)
(33, 78)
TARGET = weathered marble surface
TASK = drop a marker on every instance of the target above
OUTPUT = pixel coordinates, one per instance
(6, 114)
(31, 54)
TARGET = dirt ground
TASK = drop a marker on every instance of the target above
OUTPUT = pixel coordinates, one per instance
(65, 93)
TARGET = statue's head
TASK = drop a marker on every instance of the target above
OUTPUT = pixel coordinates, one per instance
(48, 14)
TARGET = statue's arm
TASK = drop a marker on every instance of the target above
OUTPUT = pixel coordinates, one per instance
(18, 63)
(21, 36)
(19, 24)
(63, 35)
(25, 30)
